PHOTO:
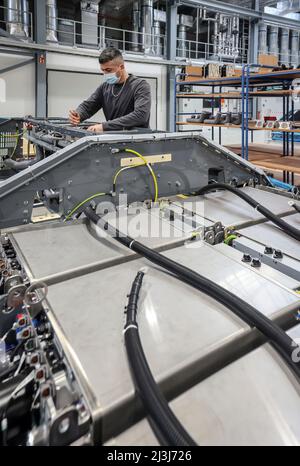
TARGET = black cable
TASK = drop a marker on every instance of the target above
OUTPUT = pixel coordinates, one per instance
(296, 206)
(6, 372)
(165, 425)
(288, 229)
(16, 350)
(278, 338)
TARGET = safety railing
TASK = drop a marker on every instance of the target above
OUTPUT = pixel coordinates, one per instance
(81, 34)
(204, 51)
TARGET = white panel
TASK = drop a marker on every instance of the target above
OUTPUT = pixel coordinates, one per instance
(56, 61)
(17, 88)
(67, 89)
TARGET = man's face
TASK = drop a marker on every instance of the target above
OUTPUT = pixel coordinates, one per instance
(113, 66)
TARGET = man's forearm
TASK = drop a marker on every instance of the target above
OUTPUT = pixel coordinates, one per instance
(90, 106)
(131, 120)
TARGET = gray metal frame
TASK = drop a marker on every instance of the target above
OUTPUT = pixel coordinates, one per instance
(87, 167)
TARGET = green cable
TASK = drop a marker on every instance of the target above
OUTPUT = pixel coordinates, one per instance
(229, 239)
(82, 203)
(17, 142)
(150, 169)
(119, 172)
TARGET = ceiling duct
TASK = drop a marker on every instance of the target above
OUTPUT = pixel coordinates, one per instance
(147, 25)
(262, 37)
(14, 18)
(273, 40)
(295, 48)
(284, 56)
(89, 20)
(182, 39)
(26, 18)
(134, 46)
(52, 24)
(157, 40)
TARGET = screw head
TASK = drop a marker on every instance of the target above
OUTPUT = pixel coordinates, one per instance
(255, 262)
(277, 254)
(268, 250)
(246, 258)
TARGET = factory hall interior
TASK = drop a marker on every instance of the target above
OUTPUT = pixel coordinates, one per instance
(149, 223)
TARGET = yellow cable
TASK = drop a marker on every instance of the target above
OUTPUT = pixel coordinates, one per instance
(150, 169)
(120, 171)
(82, 203)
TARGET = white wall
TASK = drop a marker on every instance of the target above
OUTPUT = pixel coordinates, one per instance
(17, 87)
(66, 90)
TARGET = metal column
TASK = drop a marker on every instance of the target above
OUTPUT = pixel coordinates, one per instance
(40, 28)
(171, 70)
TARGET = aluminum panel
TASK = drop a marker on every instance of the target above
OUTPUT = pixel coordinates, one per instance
(89, 310)
(240, 405)
(226, 207)
(270, 235)
(56, 250)
(264, 270)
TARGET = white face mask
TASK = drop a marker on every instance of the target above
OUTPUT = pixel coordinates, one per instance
(111, 78)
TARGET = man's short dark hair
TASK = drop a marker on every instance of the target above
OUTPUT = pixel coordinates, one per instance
(109, 54)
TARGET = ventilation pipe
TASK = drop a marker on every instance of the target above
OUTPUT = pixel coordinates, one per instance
(135, 26)
(14, 18)
(295, 48)
(157, 48)
(25, 17)
(273, 40)
(89, 19)
(51, 21)
(102, 39)
(284, 47)
(262, 38)
(215, 35)
(235, 34)
(147, 25)
(182, 35)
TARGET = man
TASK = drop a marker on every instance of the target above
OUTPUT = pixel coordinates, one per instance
(125, 99)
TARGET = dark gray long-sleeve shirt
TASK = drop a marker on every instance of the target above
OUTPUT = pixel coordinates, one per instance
(131, 108)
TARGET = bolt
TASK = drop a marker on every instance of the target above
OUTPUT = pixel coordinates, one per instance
(268, 250)
(255, 263)
(246, 258)
(64, 426)
(277, 254)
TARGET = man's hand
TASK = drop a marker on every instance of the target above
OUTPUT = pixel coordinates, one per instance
(96, 128)
(74, 117)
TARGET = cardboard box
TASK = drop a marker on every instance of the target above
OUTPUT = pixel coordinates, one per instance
(195, 73)
(270, 60)
(238, 72)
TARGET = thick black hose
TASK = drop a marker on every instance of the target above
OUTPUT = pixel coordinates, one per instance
(167, 427)
(278, 338)
(288, 229)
